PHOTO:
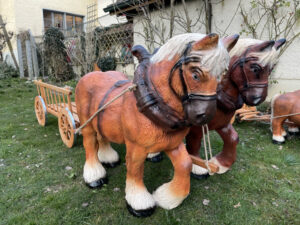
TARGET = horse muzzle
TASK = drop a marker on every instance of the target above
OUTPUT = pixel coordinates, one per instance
(253, 96)
(199, 109)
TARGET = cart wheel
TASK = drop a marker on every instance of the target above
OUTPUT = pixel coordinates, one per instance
(40, 110)
(66, 125)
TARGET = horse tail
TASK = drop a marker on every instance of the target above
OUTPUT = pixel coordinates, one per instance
(272, 108)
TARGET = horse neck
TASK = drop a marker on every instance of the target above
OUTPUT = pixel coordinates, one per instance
(229, 90)
(159, 74)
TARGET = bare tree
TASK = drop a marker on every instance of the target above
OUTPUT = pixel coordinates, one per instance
(274, 19)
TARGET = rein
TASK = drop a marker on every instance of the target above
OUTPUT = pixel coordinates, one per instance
(130, 88)
(206, 136)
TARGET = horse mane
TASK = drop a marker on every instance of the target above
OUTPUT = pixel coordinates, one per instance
(265, 57)
(177, 44)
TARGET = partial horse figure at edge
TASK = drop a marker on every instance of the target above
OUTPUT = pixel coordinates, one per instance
(245, 82)
(176, 88)
(285, 106)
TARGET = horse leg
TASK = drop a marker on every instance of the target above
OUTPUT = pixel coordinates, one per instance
(94, 173)
(277, 128)
(106, 154)
(293, 129)
(154, 157)
(171, 194)
(193, 145)
(228, 155)
(139, 201)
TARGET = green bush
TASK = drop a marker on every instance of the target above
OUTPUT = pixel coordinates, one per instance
(56, 57)
(107, 63)
(7, 71)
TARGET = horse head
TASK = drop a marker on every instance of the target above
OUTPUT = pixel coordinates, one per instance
(180, 78)
(252, 61)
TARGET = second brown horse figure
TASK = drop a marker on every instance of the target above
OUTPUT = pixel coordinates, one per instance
(245, 82)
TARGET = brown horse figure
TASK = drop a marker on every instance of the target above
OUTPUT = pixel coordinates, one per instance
(285, 104)
(245, 82)
(176, 87)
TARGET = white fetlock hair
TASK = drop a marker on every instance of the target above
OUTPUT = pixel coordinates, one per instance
(106, 154)
(138, 198)
(198, 170)
(93, 172)
(166, 199)
(222, 169)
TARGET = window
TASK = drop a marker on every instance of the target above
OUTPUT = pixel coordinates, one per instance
(64, 21)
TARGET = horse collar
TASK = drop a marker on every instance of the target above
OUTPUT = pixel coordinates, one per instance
(151, 104)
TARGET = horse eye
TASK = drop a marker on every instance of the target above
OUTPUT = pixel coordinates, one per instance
(195, 77)
(255, 68)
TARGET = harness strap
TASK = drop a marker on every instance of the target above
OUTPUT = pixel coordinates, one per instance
(118, 84)
(130, 88)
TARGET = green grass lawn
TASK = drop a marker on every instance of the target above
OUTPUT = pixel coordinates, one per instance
(41, 180)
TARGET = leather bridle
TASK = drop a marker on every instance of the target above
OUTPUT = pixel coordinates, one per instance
(187, 97)
(149, 101)
(241, 62)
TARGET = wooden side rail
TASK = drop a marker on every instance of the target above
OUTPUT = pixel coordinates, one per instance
(54, 97)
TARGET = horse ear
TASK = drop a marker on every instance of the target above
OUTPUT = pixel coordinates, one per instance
(265, 46)
(96, 67)
(210, 41)
(140, 52)
(279, 43)
(230, 41)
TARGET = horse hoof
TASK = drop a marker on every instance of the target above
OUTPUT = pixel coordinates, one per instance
(291, 133)
(156, 158)
(278, 142)
(141, 212)
(111, 164)
(200, 177)
(98, 183)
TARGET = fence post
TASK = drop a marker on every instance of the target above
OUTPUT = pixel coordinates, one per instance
(20, 58)
(29, 59)
(34, 55)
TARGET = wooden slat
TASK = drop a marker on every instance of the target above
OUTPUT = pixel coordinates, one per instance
(63, 97)
(70, 103)
(200, 162)
(52, 87)
(51, 95)
(59, 100)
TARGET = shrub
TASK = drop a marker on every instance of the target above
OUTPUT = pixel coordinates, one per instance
(7, 71)
(107, 63)
(57, 61)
